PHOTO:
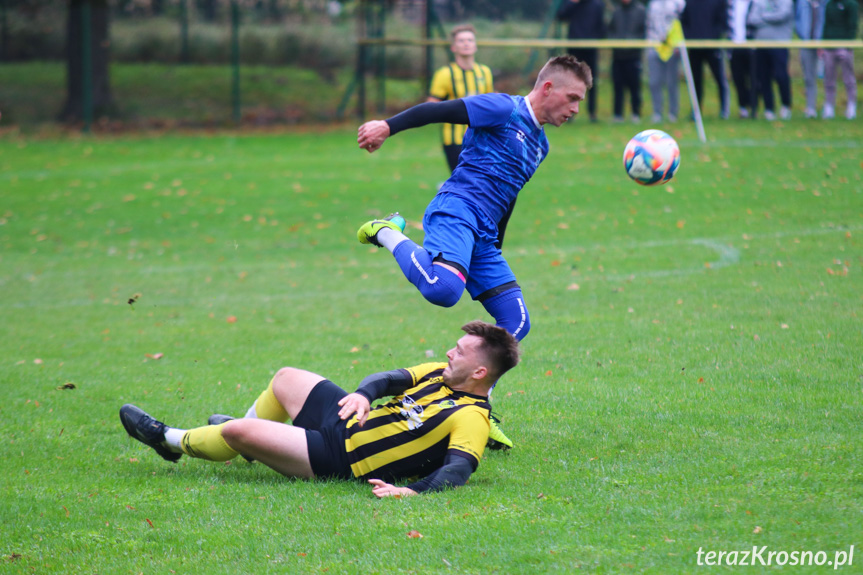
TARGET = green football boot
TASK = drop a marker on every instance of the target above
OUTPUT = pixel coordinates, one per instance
(497, 439)
(368, 232)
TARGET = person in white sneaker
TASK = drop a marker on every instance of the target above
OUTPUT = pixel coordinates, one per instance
(772, 20)
(808, 23)
(840, 23)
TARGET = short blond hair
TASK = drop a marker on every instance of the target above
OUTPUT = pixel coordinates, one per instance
(456, 30)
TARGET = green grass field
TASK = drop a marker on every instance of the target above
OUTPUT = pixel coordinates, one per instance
(692, 380)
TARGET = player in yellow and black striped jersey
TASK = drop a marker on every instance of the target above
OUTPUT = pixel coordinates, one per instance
(435, 427)
(413, 432)
(464, 77)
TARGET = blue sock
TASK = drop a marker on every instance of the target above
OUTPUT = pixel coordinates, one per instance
(509, 311)
(438, 285)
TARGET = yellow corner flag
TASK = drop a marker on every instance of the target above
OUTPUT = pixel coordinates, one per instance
(665, 49)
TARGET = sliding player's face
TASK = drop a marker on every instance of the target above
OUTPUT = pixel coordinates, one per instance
(564, 92)
(464, 44)
(464, 360)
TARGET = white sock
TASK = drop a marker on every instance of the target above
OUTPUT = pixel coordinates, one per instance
(174, 438)
(390, 238)
(251, 414)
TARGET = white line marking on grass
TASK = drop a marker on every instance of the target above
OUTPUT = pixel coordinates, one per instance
(727, 255)
(750, 143)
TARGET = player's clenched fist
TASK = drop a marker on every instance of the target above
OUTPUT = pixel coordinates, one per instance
(371, 135)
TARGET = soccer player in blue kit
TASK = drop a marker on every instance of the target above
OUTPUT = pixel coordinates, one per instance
(465, 222)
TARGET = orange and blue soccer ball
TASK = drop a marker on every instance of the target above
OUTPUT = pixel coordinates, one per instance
(651, 157)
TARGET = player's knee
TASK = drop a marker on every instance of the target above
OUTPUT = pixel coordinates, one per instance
(442, 294)
(285, 378)
(236, 433)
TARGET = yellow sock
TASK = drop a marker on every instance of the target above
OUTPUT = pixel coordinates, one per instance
(268, 407)
(207, 443)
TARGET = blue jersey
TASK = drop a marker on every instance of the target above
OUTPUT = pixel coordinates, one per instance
(502, 149)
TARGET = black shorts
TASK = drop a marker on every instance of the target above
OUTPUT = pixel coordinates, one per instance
(325, 431)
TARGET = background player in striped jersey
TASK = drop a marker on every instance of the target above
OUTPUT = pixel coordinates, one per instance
(464, 77)
(435, 426)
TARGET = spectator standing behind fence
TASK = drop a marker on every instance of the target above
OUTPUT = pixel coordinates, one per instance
(741, 58)
(464, 77)
(808, 23)
(663, 75)
(586, 20)
(772, 20)
(707, 20)
(628, 22)
(840, 23)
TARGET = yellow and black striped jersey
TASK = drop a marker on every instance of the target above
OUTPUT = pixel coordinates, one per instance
(412, 433)
(452, 82)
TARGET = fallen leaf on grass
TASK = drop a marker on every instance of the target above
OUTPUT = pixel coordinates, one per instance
(155, 355)
(150, 523)
(757, 529)
(414, 534)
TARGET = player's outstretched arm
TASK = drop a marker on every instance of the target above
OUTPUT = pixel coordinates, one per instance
(371, 135)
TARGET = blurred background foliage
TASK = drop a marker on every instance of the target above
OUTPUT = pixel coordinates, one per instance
(281, 42)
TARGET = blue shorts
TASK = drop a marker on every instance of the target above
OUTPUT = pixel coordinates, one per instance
(457, 233)
(325, 431)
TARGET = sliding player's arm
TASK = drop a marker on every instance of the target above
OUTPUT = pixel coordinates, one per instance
(455, 472)
(372, 135)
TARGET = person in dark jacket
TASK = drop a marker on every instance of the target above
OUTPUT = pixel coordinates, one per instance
(628, 22)
(707, 20)
(586, 22)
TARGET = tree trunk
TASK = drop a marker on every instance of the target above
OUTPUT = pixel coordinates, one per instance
(103, 104)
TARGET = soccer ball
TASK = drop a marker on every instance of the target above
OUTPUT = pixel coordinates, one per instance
(651, 157)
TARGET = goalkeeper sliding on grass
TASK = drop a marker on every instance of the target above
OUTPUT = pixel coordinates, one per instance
(435, 427)
(465, 223)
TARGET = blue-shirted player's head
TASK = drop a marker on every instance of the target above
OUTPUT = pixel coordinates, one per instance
(560, 86)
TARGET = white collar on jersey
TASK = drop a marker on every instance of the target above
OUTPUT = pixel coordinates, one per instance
(532, 115)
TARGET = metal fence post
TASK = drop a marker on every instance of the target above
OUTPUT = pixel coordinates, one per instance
(381, 63)
(4, 31)
(184, 32)
(86, 66)
(235, 59)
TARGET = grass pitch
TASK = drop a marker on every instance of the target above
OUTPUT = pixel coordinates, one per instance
(692, 380)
